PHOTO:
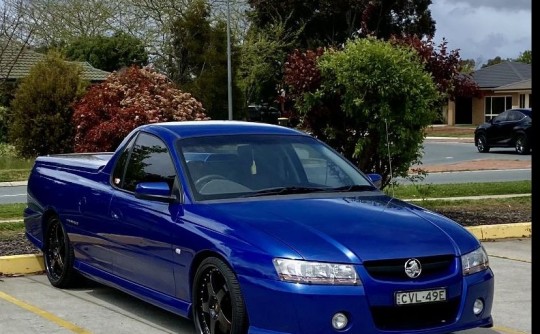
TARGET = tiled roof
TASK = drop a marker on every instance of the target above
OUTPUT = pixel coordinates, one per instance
(15, 63)
(520, 85)
(91, 73)
(502, 74)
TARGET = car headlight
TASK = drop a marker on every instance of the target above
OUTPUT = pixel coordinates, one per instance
(299, 271)
(474, 261)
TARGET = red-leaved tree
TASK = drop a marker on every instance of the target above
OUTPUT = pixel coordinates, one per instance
(127, 99)
(443, 64)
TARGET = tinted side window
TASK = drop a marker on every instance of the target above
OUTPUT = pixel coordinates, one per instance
(501, 117)
(149, 162)
(516, 116)
(120, 167)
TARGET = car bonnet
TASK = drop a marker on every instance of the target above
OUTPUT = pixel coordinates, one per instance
(343, 229)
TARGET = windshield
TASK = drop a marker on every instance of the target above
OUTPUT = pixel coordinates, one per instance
(259, 165)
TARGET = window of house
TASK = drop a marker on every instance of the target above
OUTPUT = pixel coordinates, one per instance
(495, 105)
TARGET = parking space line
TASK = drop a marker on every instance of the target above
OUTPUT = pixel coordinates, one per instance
(507, 330)
(44, 314)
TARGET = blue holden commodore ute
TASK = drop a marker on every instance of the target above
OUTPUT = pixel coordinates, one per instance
(254, 228)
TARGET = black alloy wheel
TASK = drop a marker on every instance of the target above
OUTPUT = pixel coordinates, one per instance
(522, 146)
(58, 254)
(481, 144)
(218, 306)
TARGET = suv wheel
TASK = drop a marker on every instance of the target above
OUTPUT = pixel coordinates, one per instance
(481, 144)
(522, 146)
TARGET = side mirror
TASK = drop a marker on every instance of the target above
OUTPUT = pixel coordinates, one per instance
(154, 191)
(376, 179)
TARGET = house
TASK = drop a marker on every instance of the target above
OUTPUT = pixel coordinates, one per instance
(502, 86)
(16, 62)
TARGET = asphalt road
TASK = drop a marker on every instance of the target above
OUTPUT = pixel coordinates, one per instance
(440, 153)
(16, 194)
(437, 152)
(29, 305)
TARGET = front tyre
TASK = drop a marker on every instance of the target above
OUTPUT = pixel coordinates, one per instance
(58, 255)
(522, 145)
(218, 306)
(481, 144)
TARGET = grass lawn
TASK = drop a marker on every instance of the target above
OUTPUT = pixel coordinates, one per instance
(11, 211)
(460, 189)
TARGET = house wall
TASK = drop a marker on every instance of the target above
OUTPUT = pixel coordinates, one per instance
(450, 113)
(478, 106)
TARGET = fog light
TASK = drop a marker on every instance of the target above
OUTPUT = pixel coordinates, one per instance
(478, 306)
(339, 321)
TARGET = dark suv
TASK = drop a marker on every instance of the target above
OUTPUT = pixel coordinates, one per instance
(263, 113)
(511, 128)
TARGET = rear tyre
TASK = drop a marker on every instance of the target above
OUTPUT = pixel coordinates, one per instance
(522, 145)
(58, 255)
(481, 144)
(218, 306)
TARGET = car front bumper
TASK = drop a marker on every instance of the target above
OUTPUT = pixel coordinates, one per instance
(282, 307)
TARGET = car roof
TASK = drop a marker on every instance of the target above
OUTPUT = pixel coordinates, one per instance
(188, 129)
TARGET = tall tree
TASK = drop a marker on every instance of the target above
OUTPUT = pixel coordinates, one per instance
(16, 33)
(467, 66)
(525, 57)
(332, 22)
(494, 61)
(261, 61)
(443, 65)
(59, 22)
(108, 53)
(197, 59)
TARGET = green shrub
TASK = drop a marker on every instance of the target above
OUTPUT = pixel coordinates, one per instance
(4, 122)
(42, 108)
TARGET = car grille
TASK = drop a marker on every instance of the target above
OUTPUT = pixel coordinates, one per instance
(419, 316)
(394, 270)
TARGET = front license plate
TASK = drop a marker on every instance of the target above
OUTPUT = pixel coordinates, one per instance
(422, 296)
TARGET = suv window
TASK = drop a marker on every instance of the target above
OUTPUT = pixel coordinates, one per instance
(149, 161)
(503, 117)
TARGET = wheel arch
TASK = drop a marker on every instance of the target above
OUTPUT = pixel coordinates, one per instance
(198, 259)
(518, 133)
(46, 218)
(478, 133)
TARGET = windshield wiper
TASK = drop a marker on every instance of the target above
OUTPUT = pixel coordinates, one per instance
(285, 191)
(354, 187)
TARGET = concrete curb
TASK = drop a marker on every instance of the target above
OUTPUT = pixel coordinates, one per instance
(13, 184)
(15, 265)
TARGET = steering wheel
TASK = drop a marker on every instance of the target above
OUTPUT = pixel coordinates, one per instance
(207, 178)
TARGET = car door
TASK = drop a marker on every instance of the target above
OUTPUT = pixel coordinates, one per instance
(496, 132)
(143, 228)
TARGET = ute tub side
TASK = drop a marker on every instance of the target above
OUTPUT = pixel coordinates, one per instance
(58, 185)
(85, 162)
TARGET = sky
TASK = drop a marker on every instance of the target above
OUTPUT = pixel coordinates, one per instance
(484, 29)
